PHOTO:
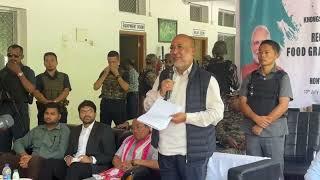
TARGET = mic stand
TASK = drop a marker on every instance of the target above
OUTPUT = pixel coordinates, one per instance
(4, 92)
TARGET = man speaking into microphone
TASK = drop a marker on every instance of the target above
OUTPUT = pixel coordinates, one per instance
(186, 145)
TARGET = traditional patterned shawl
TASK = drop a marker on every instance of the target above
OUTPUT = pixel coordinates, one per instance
(140, 151)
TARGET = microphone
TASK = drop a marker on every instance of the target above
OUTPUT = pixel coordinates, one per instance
(170, 76)
(6, 121)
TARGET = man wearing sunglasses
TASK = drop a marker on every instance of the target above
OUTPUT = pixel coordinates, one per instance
(16, 86)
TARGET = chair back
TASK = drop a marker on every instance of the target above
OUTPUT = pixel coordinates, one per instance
(263, 170)
(316, 107)
(303, 137)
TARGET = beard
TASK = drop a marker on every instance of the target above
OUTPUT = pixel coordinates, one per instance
(87, 120)
(51, 122)
(179, 64)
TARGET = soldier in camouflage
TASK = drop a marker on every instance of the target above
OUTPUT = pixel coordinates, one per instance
(147, 78)
(114, 81)
(228, 131)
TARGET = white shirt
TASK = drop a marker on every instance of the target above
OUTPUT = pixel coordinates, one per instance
(313, 173)
(83, 141)
(173, 140)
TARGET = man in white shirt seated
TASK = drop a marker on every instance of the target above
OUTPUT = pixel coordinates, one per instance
(313, 172)
(91, 145)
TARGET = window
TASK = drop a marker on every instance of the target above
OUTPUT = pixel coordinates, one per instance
(8, 33)
(226, 18)
(199, 13)
(133, 6)
(230, 41)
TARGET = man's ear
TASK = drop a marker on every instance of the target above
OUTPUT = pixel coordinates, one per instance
(193, 50)
(59, 117)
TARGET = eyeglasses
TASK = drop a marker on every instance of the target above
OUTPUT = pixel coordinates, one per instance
(12, 55)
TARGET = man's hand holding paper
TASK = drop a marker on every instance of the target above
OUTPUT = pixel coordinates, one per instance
(179, 117)
(160, 114)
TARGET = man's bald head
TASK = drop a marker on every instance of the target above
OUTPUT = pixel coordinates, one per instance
(182, 51)
(189, 39)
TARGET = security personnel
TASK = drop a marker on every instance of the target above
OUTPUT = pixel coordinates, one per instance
(113, 81)
(54, 87)
(264, 99)
(223, 70)
(16, 86)
(228, 131)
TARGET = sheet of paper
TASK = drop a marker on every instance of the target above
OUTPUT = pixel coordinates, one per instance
(158, 116)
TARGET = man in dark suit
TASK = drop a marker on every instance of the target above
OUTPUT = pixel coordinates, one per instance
(91, 145)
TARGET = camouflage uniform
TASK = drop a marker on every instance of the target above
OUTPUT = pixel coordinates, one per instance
(113, 99)
(146, 80)
(230, 127)
(226, 74)
(111, 88)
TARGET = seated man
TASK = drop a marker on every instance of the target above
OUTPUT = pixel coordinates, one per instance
(313, 172)
(135, 150)
(91, 146)
(48, 143)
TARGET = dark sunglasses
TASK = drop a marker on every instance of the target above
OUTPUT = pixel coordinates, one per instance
(12, 55)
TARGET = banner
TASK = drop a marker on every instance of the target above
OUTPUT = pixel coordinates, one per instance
(295, 25)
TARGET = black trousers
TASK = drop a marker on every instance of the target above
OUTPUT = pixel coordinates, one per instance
(53, 169)
(132, 105)
(78, 171)
(33, 169)
(113, 109)
(140, 173)
(176, 168)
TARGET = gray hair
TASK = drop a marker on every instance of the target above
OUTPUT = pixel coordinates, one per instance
(263, 28)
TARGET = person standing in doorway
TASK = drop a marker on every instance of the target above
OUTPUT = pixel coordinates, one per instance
(133, 92)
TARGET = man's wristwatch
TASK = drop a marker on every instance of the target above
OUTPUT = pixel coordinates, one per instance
(20, 74)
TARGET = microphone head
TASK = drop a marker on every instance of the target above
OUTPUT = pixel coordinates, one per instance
(6, 121)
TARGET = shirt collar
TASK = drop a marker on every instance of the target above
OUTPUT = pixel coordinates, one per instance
(273, 70)
(89, 127)
(54, 75)
(45, 127)
(186, 72)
